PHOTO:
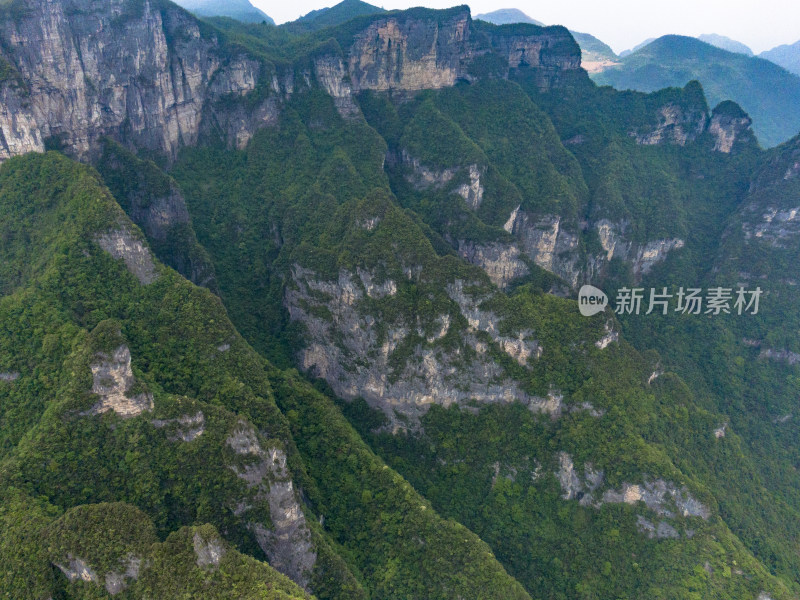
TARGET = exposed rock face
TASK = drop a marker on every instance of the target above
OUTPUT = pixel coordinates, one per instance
(185, 428)
(501, 262)
(675, 125)
(609, 338)
(549, 242)
(409, 53)
(83, 79)
(345, 347)
(548, 50)
(113, 380)
(122, 244)
(167, 81)
(209, 552)
(662, 498)
(424, 177)
(287, 541)
(472, 192)
(331, 74)
(643, 257)
(155, 203)
(567, 477)
(791, 358)
(661, 531)
(652, 253)
(78, 570)
(727, 129)
(9, 377)
(116, 582)
(778, 227)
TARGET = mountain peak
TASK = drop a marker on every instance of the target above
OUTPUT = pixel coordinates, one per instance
(726, 43)
(507, 16)
(786, 56)
(241, 10)
(333, 15)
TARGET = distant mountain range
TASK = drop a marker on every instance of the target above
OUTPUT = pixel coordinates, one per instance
(507, 16)
(241, 10)
(334, 15)
(638, 46)
(787, 56)
(596, 55)
(769, 93)
(726, 43)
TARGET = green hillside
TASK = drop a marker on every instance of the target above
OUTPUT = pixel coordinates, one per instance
(301, 319)
(241, 10)
(334, 15)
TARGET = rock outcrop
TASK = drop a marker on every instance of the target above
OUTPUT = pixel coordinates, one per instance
(729, 125)
(123, 244)
(674, 125)
(501, 262)
(286, 540)
(663, 499)
(155, 203)
(401, 367)
(114, 382)
(550, 243)
(642, 256)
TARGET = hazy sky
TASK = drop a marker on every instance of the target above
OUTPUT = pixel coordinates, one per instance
(761, 24)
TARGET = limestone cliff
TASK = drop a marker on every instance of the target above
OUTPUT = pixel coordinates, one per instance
(79, 78)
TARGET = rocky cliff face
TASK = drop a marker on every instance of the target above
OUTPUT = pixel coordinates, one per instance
(675, 125)
(730, 125)
(549, 51)
(74, 77)
(80, 78)
(420, 50)
(409, 53)
(413, 362)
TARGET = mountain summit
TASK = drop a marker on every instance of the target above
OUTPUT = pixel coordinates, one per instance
(507, 16)
(787, 56)
(241, 10)
(331, 16)
(726, 43)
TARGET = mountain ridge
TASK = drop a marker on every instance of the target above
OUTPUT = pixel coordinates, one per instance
(750, 81)
(241, 10)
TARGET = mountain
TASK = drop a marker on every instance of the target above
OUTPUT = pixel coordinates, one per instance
(768, 93)
(787, 56)
(296, 315)
(595, 54)
(334, 15)
(638, 46)
(726, 43)
(507, 16)
(241, 10)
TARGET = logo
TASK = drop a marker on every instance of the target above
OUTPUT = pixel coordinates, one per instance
(591, 300)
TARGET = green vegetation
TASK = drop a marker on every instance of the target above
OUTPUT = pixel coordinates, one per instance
(349, 237)
(60, 292)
